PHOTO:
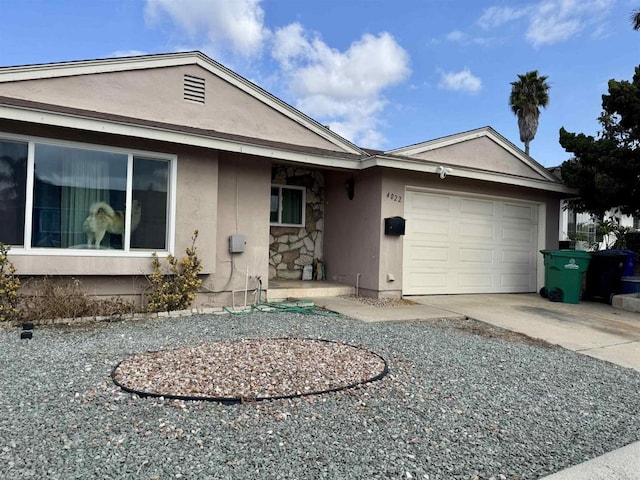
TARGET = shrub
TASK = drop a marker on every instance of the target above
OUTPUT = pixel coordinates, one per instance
(9, 286)
(53, 299)
(177, 289)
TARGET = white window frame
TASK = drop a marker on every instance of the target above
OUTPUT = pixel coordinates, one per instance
(304, 205)
(28, 249)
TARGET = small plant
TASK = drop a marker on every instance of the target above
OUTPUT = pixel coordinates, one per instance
(177, 289)
(613, 234)
(9, 286)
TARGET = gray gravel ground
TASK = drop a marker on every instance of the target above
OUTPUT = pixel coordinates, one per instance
(456, 405)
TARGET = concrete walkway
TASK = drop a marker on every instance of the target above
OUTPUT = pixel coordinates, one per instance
(589, 328)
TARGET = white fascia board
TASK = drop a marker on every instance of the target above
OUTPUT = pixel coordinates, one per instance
(121, 64)
(172, 136)
(90, 67)
(462, 172)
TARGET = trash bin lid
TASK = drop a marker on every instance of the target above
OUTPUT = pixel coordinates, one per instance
(612, 253)
(567, 253)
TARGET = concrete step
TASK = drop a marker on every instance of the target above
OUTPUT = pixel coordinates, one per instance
(627, 301)
(310, 289)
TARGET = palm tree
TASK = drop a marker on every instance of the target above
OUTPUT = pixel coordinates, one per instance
(527, 94)
(635, 19)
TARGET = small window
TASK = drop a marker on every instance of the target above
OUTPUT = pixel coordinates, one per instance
(287, 206)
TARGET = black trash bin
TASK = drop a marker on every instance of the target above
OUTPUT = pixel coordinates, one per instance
(604, 276)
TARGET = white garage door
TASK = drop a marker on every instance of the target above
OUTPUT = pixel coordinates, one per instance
(464, 244)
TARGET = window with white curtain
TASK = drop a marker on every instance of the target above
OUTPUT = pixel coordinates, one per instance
(83, 197)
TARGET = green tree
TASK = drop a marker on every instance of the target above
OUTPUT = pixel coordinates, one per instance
(606, 169)
(528, 93)
(635, 19)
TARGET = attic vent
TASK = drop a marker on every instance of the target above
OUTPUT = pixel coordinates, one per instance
(194, 89)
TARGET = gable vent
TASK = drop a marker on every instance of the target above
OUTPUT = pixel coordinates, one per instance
(193, 89)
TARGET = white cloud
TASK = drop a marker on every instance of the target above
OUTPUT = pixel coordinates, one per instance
(344, 89)
(462, 38)
(549, 21)
(554, 21)
(456, 36)
(127, 53)
(496, 16)
(236, 23)
(462, 81)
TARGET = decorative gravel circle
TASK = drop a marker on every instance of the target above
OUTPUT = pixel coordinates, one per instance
(245, 370)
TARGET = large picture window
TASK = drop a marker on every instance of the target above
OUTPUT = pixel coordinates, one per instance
(84, 198)
(287, 205)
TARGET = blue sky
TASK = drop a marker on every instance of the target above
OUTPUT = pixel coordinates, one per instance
(384, 74)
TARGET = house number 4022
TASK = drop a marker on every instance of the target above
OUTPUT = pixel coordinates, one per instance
(394, 197)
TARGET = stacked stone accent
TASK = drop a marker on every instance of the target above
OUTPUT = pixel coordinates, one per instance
(291, 248)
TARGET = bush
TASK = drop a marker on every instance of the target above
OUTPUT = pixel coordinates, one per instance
(9, 286)
(53, 299)
(177, 289)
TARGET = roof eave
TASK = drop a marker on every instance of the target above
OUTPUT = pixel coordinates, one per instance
(413, 165)
(167, 134)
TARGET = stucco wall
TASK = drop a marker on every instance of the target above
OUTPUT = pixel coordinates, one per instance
(352, 229)
(157, 95)
(243, 208)
(482, 153)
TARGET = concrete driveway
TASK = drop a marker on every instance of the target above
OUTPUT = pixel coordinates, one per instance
(591, 328)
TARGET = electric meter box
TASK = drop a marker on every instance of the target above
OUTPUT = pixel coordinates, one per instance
(236, 243)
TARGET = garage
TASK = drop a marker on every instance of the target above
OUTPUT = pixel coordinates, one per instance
(468, 244)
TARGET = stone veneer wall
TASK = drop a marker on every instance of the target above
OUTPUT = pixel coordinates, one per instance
(291, 248)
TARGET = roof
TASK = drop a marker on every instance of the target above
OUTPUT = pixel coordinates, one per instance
(420, 157)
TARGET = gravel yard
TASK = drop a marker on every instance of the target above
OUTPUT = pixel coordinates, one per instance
(460, 401)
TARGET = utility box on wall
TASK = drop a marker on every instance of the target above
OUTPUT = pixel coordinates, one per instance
(236, 243)
(394, 226)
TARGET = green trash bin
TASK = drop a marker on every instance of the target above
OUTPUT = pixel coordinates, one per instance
(563, 271)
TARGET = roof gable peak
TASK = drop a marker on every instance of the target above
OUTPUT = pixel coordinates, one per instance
(483, 132)
(141, 62)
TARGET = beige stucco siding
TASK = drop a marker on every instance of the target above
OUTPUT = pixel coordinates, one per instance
(352, 229)
(157, 95)
(196, 205)
(480, 153)
(243, 208)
